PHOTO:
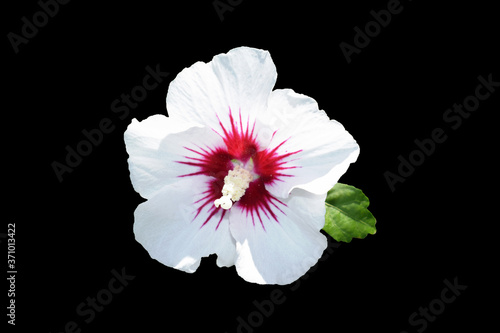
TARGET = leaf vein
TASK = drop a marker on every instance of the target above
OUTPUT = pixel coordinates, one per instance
(349, 216)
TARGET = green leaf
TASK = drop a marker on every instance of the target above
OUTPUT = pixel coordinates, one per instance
(347, 216)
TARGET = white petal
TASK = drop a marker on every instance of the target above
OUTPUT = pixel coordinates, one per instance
(164, 225)
(325, 148)
(242, 80)
(284, 251)
(155, 144)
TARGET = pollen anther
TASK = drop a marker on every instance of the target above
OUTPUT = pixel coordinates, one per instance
(235, 184)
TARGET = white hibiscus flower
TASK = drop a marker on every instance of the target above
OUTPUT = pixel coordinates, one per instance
(236, 169)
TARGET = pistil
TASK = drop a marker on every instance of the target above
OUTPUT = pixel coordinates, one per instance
(235, 184)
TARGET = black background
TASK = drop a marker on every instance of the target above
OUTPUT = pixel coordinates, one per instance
(437, 225)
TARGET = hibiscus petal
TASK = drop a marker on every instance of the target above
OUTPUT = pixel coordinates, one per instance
(173, 231)
(275, 252)
(156, 144)
(240, 80)
(320, 150)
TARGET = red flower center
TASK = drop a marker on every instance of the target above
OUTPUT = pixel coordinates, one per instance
(240, 148)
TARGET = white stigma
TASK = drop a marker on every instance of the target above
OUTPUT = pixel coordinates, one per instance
(235, 184)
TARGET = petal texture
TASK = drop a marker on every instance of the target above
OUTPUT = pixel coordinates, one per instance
(148, 171)
(156, 144)
(280, 252)
(172, 230)
(242, 80)
(324, 149)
